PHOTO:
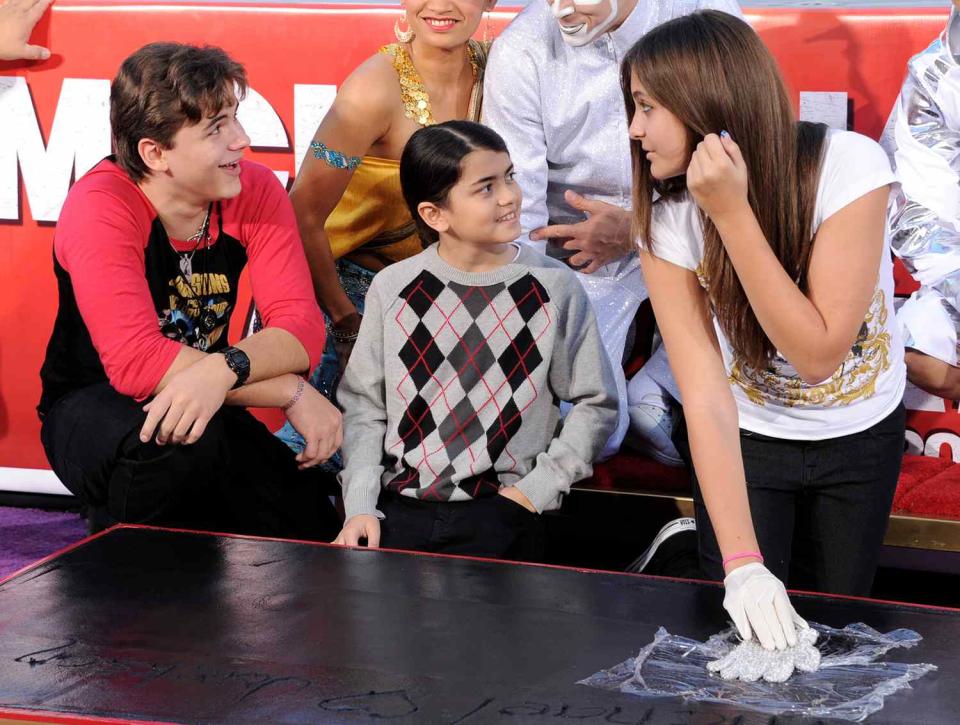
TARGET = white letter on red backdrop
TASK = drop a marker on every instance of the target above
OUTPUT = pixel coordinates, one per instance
(79, 138)
(310, 105)
(263, 126)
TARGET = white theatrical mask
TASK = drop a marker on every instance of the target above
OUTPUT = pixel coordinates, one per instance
(578, 35)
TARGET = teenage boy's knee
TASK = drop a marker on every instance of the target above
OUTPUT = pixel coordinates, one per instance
(154, 484)
(206, 451)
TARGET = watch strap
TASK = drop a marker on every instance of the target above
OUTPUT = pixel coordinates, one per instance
(238, 362)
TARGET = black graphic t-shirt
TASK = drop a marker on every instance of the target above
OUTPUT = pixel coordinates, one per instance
(127, 305)
(194, 310)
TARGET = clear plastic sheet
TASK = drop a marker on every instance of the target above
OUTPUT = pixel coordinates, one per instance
(850, 684)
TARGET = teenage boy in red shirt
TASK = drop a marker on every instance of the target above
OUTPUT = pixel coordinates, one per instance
(144, 402)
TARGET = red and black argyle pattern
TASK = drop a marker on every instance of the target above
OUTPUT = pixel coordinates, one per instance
(472, 360)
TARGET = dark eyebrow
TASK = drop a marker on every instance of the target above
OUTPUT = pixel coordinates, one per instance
(224, 113)
(488, 179)
(214, 121)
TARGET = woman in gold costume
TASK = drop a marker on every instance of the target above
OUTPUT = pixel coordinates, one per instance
(347, 197)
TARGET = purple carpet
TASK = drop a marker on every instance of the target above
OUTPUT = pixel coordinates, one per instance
(30, 534)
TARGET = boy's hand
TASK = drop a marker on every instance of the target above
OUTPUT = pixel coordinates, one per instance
(180, 412)
(517, 496)
(321, 425)
(361, 526)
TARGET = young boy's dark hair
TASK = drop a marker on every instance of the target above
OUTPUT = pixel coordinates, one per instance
(161, 88)
(431, 161)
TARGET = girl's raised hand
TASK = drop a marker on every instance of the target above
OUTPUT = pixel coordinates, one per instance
(717, 176)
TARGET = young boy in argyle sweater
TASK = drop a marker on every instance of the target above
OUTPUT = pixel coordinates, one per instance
(453, 435)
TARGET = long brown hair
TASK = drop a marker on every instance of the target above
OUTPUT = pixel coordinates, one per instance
(712, 71)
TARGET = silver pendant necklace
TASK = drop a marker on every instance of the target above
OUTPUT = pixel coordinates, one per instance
(186, 258)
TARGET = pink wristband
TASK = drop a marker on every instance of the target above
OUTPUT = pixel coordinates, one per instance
(743, 555)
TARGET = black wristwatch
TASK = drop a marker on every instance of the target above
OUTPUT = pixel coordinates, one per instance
(237, 361)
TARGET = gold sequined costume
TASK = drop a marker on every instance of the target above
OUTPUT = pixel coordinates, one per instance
(371, 225)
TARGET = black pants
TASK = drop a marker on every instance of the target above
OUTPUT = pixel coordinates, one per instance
(236, 478)
(493, 526)
(819, 508)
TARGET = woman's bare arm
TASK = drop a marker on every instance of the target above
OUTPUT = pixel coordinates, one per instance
(359, 117)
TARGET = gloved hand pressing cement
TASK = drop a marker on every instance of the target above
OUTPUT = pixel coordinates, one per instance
(750, 662)
(758, 603)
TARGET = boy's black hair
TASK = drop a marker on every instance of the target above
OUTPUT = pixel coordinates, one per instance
(431, 161)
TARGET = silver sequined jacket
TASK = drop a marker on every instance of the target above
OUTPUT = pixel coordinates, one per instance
(923, 140)
(560, 109)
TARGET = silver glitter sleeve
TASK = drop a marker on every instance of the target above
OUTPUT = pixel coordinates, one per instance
(511, 106)
(923, 142)
(924, 145)
(925, 155)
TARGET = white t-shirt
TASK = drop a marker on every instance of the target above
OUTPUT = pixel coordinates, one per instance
(869, 383)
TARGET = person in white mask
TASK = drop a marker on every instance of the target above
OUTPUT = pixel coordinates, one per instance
(552, 90)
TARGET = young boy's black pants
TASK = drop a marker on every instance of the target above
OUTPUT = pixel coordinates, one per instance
(492, 526)
(236, 478)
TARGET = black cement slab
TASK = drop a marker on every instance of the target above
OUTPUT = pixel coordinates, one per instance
(146, 624)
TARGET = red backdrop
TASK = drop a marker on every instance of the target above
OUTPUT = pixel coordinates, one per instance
(54, 116)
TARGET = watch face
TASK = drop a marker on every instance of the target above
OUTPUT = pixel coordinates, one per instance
(238, 361)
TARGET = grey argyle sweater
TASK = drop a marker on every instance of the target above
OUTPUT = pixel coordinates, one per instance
(454, 386)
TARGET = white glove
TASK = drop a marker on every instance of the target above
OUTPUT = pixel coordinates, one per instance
(757, 601)
(750, 662)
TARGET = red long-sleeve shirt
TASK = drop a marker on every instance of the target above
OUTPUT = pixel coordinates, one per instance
(101, 240)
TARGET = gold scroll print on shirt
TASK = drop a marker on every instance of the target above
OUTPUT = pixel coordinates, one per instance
(854, 380)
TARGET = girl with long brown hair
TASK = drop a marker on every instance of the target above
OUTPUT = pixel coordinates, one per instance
(764, 248)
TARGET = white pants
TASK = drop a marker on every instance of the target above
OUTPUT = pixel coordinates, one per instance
(616, 291)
